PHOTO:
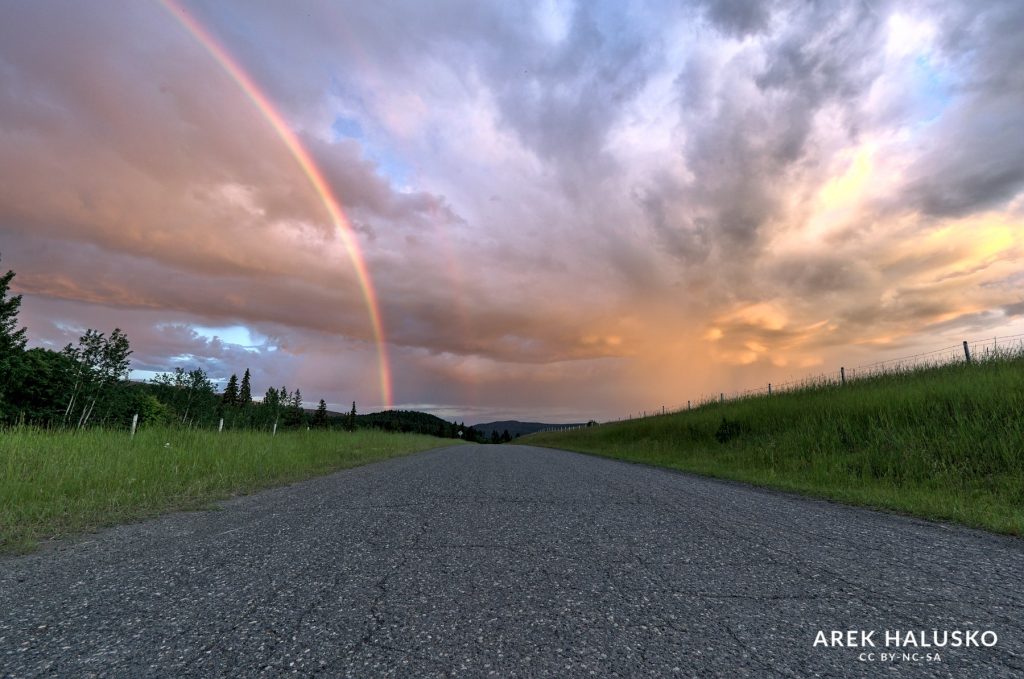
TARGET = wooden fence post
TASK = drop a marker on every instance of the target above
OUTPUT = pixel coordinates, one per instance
(721, 397)
(967, 352)
(769, 388)
(842, 375)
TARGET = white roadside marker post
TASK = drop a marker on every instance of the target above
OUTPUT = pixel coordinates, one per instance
(135, 423)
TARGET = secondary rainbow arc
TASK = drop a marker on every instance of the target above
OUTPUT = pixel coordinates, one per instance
(312, 173)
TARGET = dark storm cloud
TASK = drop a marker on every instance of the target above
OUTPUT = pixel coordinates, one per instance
(562, 99)
(973, 157)
(819, 273)
(747, 120)
(739, 17)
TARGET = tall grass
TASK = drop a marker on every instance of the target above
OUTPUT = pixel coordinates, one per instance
(943, 442)
(58, 483)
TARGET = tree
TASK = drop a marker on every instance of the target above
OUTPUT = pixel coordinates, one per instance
(12, 339)
(154, 411)
(192, 395)
(494, 437)
(505, 437)
(245, 391)
(230, 397)
(350, 425)
(86, 357)
(102, 362)
(320, 418)
(294, 415)
(41, 383)
(270, 408)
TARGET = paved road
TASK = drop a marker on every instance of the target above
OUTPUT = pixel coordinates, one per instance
(509, 561)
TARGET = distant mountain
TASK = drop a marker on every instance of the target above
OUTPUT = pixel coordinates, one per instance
(408, 421)
(516, 427)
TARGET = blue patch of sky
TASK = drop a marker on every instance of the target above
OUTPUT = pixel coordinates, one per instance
(347, 128)
(232, 334)
(389, 164)
(143, 375)
(931, 91)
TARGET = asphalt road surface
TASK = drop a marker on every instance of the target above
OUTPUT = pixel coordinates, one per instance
(511, 561)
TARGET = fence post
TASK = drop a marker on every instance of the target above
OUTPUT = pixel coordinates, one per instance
(687, 405)
(662, 410)
(769, 388)
(220, 427)
(842, 374)
(721, 397)
(274, 433)
(967, 352)
(135, 423)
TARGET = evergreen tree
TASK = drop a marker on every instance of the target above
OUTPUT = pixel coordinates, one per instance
(351, 424)
(505, 437)
(230, 397)
(294, 415)
(320, 418)
(245, 391)
(12, 339)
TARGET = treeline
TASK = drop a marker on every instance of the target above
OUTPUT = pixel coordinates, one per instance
(87, 385)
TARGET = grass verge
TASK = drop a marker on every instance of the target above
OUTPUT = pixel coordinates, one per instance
(943, 442)
(59, 483)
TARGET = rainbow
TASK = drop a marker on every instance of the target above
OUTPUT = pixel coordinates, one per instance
(312, 172)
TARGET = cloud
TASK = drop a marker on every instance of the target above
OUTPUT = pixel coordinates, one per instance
(972, 158)
(739, 18)
(586, 205)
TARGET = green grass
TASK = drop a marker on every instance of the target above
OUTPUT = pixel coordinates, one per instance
(59, 483)
(942, 442)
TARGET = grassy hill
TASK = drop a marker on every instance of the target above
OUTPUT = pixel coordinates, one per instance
(942, 442)
(408, 422)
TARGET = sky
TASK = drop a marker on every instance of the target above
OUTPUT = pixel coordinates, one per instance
(566, 210)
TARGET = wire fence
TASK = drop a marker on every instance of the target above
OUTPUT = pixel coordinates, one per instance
(967, 351)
